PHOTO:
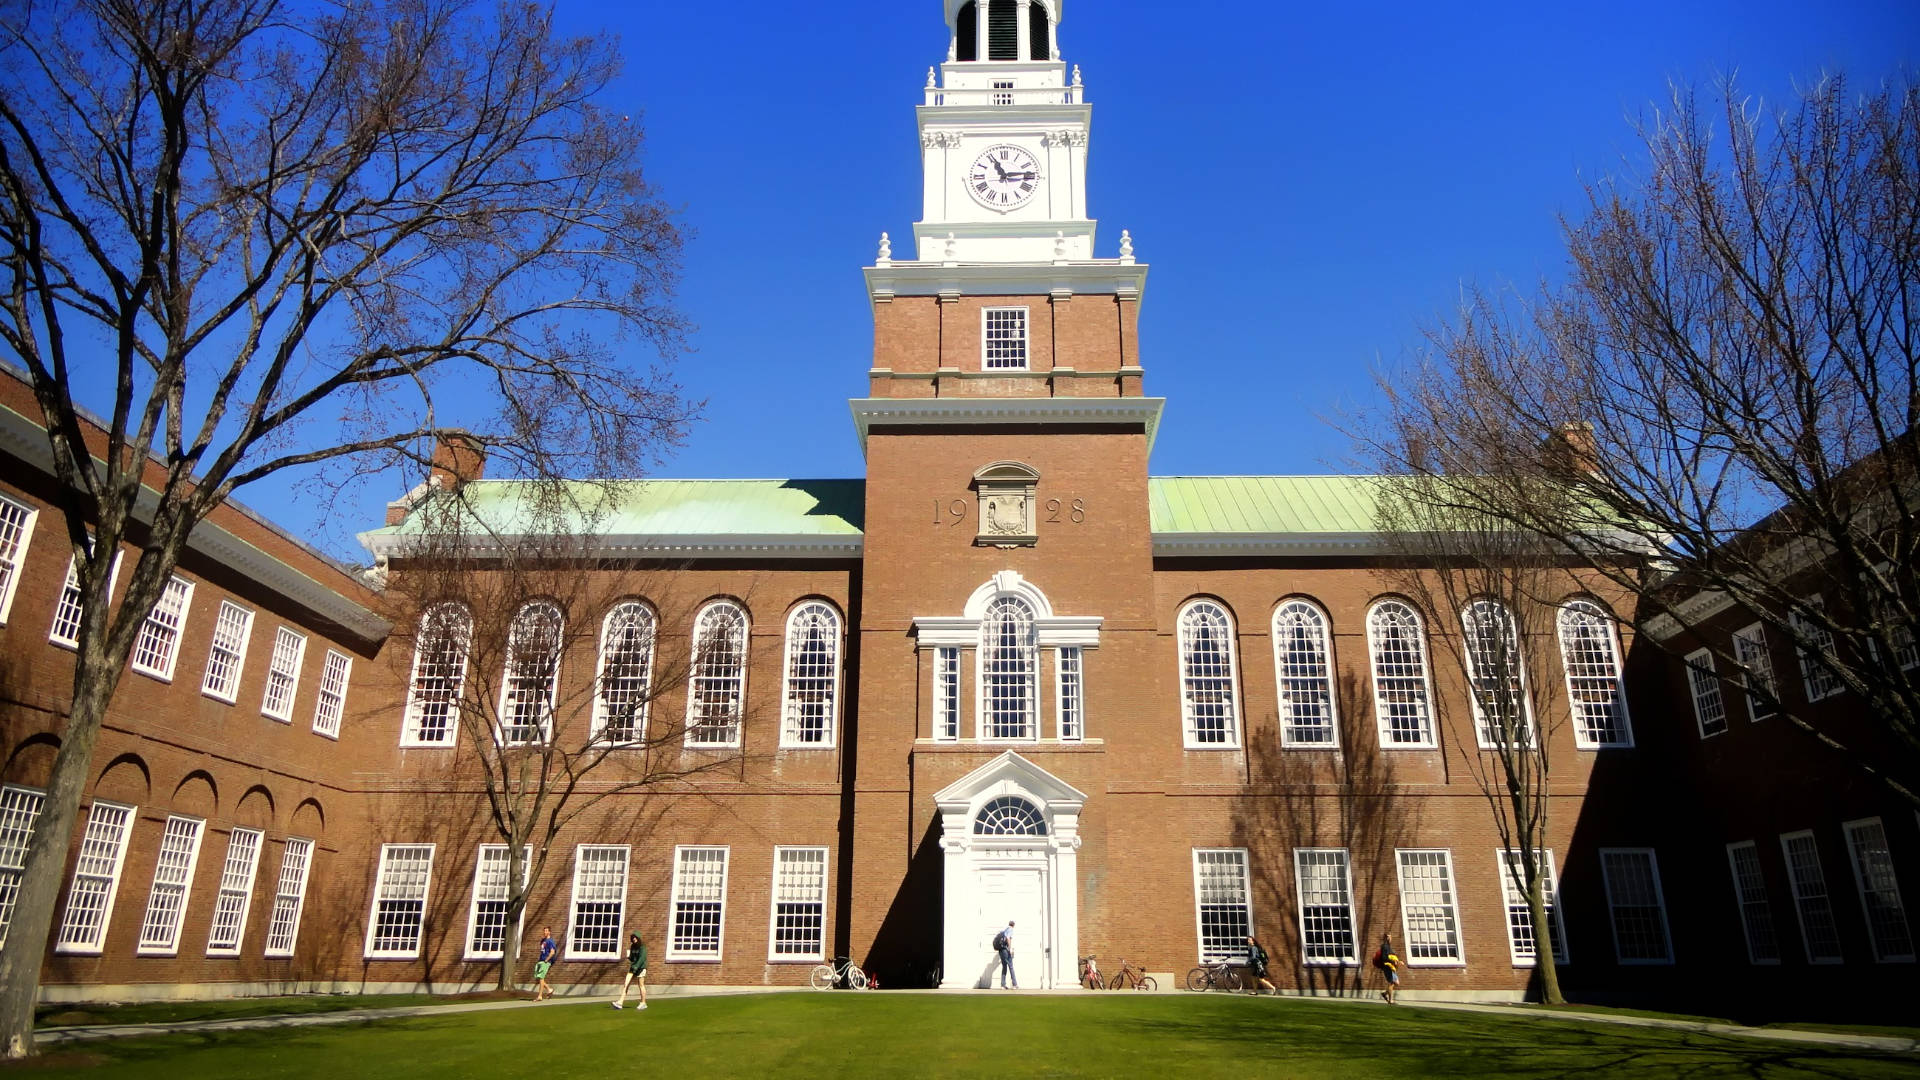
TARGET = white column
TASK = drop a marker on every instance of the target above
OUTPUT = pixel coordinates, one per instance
(959, 969)
(1065, 883)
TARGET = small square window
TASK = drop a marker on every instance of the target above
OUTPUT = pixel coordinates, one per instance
(1004, 339)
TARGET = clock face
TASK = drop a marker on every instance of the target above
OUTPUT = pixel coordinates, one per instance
(1003, 177)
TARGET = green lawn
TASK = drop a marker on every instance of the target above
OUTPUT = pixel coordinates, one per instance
(884, 1035)
(91, 1014)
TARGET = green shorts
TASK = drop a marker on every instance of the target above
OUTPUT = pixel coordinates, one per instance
(541, 967)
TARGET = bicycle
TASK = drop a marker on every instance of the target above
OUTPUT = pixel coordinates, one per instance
(1089, 972)
(828, 976)
(1132, 978)
(1216, 976)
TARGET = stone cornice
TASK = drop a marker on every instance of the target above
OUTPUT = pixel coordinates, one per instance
(1092, 277)
(869, 413)
(677, 546)
(1228, 545)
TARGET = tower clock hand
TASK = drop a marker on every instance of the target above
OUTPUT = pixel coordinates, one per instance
(998, 169)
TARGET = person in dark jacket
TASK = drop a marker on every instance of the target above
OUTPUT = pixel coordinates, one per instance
(636, 971)
(1257, 963)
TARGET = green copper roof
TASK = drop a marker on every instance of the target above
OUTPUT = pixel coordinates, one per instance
(1263, 504)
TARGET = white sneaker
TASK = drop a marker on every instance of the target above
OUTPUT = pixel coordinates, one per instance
(617, 1005)
(642, 1005)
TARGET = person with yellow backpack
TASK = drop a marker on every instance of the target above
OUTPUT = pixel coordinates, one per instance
(1389, 964)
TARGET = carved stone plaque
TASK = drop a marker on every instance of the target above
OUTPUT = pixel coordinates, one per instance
(1006, 496)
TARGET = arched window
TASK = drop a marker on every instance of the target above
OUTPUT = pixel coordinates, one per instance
(532, 670)
(439, 674)
(1009, 665)
(1496, 677)
(1398, 648)
(1207, 705)
(1003, 29)
(718, 687)
(1591, 655)
(966, 32)
(813, 675)
(1040, 41)
(625, 682)
(1009, 815)
(1301, 658)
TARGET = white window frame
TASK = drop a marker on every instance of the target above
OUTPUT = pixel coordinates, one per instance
(796, 853)
(389, 865)
(100, 832)
(283, 674)
(227, 689)
(703, 671)
(475, 899)
(13, 549)
(1514, 901)
(795, 698)
(1070, 693)
(1026, 338)
(1816, 678)
(1231, 948)
(946, 693)
(574, 938)
(1811, 895)
(155, 626)
(330, 700)
(460, 625)
(1586, 607)
(1027, 677)
(539, 691)
(1383, 719)
(234, 892)
(1446, 908)
(634, 674)
(1703, 689)
(1750, 899)
(69, 600)
(1188, 691)
(1352, 955)
(1481, 729)
(289, 897)
(1289, 736)
(1608, 857)
(674, 951)
(20, 808)
(1756, 667)
(1884, 951)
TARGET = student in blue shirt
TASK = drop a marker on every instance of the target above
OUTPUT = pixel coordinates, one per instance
(549, 948)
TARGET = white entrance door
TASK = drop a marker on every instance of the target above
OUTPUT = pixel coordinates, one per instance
(1019, 895)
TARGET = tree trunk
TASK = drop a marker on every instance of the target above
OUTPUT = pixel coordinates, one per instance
(516, 911)
(1543, 942)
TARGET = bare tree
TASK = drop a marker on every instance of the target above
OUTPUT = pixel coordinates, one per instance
(272, 238)
(1727, 381)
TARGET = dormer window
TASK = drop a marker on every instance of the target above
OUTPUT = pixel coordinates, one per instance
(1004, 339)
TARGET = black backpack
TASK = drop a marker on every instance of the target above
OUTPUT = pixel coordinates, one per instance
(999, 941)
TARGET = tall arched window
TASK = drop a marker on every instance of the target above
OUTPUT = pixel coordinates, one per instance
(1009, 815)
(718, 687)
(1302, 662)
(966, 32)
(625, 682)
(1040, 45)
(1207, 704)
(1496, 675)
(439, 675)
(1009, 668)
(532, 672)
(813, 675)
(1590, 654)
(1398, 648)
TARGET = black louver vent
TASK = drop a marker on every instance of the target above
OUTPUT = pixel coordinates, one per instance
(966, 29)
(1037, 25)
(1003, 30)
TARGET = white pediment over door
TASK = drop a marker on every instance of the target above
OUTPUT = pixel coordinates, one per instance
(1009, 774)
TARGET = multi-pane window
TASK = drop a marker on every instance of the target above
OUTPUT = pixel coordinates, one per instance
(236, 892)
(532, 674)
(1818, 931)
(16, 529)
(283, 674)
(1429, 911)
(289, 896)
(1009, 662)
(1906, 651)
(96, 877)
(1756, 671)
(599, 901)
(331, 703)
(1750, 895)
(1326, 906)
(718, 686)
(19, 809)
(1223, 903)
(1590, 653)
(946, 692)
(1816, 673)
(439, 675)
(813, 676)
(626, 673)
(227, 653)
(487, 914)
(399, 901)
(1496, 678)
(1073, 695)
(799, 903)
(1879, 891)
(158, 647)
(695, 930)
(1398, 648)
(1302, 654)
(1208, 708)
(1004, 338)
(66, 612)
(1632, 877)
(1709, 709)
(1009, 815)
(1522, 941)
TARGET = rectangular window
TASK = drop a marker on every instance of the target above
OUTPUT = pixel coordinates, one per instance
(1906, 652)
(236, 892)
(65, 631)
(1223, 902)
(1756, 671)
(1326, 906)
(331, 704)
(1073, 703)
(1879, 891)
(1709, 709)
(1815, 674)
(1639, 911)
(487, 916)
(159, 645)
(16, 530)
(96, 878)
(1003, 333)
(696, 929)
(1003, 89)
(1750, 894)
(946, 693)
(399, 901)
(599, 902)
(289, 896)
(1818, 931)
(19, 809)
(227, 653)
(283, 674)
(1522, 942)
(799, 903)
(1429, 915)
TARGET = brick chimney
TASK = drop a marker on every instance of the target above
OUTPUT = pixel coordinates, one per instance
(1571, 448)
(457, 458)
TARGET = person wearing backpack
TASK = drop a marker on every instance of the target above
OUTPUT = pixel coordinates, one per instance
(1003, 947)
(636, 971)
(1389, 964)
(1257, 963)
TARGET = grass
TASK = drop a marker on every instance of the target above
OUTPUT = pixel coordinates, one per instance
(92, 1014)
(1892, 1030)
(882, 1035)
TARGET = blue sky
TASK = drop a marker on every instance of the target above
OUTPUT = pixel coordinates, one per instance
(1311, 183)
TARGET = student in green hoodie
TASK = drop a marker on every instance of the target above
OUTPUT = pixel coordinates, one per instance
(636, 971)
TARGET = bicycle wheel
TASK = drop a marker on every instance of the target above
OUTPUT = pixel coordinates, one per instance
(1147, 983)
(856, 978)
(1198, 979)
(1118, 980)
(821, 977)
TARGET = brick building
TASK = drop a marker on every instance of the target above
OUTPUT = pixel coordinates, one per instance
(1006, 676)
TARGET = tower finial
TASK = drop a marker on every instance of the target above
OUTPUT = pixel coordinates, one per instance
(929, 78)
(1059, 246)
(886, 251)
(1126, 246)
(951, 254)
(1076, 74)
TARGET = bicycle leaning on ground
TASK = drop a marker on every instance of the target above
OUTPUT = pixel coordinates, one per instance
(828, 976)
(1215, 976)
(1131, 978)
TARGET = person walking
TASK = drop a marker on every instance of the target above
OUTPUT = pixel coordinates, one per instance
(636, 971)
(1257, 963)
(544, 963)
(1389, 964)
(1003, 946)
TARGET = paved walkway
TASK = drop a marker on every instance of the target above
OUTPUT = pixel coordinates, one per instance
(1833, 1040)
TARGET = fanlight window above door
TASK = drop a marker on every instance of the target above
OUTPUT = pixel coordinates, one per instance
(1009, 815)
